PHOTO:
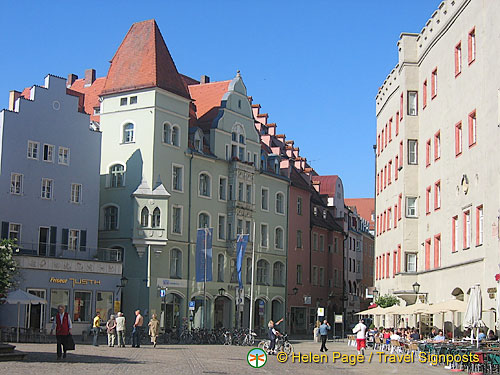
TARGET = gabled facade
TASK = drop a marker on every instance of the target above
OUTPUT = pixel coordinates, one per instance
(190, 152)
(49, 176)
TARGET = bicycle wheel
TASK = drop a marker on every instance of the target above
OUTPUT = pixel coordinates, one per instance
(287, 348)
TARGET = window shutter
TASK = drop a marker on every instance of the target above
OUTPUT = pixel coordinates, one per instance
(83, 240)
(5, 230)
(53, 241)
(64, 239)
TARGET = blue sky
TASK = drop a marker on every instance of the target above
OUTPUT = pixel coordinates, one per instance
(314, 66)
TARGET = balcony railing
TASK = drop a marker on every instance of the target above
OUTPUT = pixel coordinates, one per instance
(69, 252)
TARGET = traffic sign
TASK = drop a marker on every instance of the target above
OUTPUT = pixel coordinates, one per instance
(321, 311)
(191, 305)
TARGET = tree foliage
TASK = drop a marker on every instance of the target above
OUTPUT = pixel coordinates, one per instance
(387, 301)
(8, 266)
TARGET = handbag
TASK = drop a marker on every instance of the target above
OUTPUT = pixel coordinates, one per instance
(70, 343)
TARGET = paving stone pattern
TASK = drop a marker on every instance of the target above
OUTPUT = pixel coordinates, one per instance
(192, 359)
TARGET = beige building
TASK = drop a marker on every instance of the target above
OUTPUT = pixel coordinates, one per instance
(438, 119)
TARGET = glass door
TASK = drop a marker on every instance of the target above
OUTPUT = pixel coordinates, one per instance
(35, 313)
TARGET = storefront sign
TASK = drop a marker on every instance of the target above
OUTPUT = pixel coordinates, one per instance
(174, 283)
(74, 281)
(338, 318)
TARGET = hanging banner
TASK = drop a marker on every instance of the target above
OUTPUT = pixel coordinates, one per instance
(204, 241)
(241, 246)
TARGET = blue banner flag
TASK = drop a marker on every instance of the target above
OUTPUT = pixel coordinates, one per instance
(241, 246)
(204, 235)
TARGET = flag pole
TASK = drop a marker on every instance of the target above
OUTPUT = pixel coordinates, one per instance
(251, 285)
(205, 284)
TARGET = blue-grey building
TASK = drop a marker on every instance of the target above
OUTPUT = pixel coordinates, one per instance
(49, 204)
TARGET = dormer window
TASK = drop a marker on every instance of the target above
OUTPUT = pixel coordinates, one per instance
(198, 141)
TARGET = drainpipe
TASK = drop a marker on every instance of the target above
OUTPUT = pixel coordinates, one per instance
(189, 238)
(287, 313)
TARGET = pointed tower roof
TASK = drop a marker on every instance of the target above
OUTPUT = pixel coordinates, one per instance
(143, 61)
(143, 188)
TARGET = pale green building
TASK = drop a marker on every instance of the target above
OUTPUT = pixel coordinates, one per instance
(178, 155)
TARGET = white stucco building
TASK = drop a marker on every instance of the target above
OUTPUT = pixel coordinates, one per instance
(437, 203)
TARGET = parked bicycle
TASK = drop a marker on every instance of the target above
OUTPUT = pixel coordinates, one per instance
(282, 344)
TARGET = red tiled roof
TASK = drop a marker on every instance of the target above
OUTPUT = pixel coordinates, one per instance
(208, 96)
(364, 206)
(91, 93)
(143, 61)
(328, 184)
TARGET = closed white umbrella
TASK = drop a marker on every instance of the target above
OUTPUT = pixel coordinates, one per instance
(20, 297)
(474, 313)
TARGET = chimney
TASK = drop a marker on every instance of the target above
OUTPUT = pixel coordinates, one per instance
(13, 96)
(204, 79)
(71, 79)
(89, 77)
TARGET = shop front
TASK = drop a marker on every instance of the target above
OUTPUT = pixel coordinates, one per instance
(96, 288)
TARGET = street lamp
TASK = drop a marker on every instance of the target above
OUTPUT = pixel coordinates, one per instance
(416, 287)
(294, 291)
(222, 291)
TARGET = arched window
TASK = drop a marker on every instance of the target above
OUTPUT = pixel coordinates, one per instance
(262, 272)
(175, 135)
(278, 274)
(167, 134)
(278, 238)
(350, 288)
(220, 267)
(128, 133)
(117, 174)
(111, 218)
(175, 264)
(280, 203)
(144, 217)
(203, 220)
(354, 289)
(156, 218)
(204, 185)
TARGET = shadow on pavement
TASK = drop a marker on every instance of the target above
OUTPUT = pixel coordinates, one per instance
(75, 358)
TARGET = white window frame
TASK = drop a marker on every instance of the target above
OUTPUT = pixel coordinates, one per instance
(408, 207)
(13, 231)
(50, 152)
(178, 141)
(74, 241)
(282, 238)
(468, 228)
(262, 201)
(321, 243)
(110, 175)
(219, 237)
(480, 213)
(409, 255)
(168, 141)
(43, 190)
(133, 98)
(16, 183)
(182, 177)
(282, 203)
(198, 219)
(181, 208)
(73, 188)
(124, 137)
(412, 103)
(209, 185)
(266, 245)
(225, 189)
(30, 150)
(178, 265)
(63, 149)
(413, 152)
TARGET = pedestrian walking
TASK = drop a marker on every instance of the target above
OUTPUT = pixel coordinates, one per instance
(111, 328)
(154, 328)
(360, 331)
(323, 331)
(63, 325)
(96, 327)
(120, 329)
(136, 332)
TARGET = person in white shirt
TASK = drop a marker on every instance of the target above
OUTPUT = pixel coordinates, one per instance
(360, 331)
(395, 336)
(120, 329)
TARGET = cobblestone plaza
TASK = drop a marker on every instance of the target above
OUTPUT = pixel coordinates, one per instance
(193, 359)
